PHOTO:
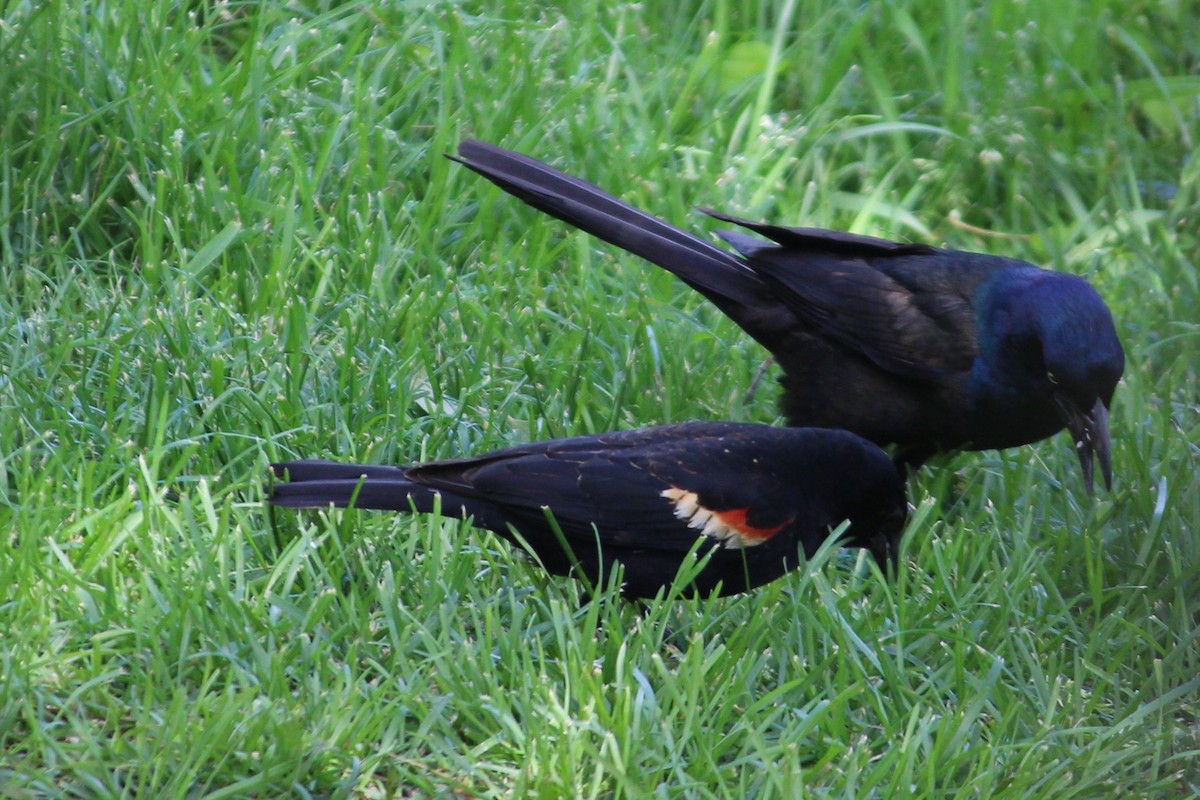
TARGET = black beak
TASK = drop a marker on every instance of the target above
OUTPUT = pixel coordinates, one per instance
(1090, 431)
(886, 551)
(884, 543)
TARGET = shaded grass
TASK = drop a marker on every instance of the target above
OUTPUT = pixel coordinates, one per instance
(228, 236)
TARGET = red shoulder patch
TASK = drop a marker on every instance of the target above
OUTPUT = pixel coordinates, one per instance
(729, 527)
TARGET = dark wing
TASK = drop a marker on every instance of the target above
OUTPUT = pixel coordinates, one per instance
(907, 307)
(840, 242)
(654, 489)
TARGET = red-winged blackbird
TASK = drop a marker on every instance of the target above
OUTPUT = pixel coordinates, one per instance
(757, 496)
(905, 344)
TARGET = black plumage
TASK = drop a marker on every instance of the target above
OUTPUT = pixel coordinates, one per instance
(757, 497)
(909, 345)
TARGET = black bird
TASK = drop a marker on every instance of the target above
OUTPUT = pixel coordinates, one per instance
(754, 497)
(905, 344)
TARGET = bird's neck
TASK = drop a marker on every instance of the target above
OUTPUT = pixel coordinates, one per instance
(1006, 408)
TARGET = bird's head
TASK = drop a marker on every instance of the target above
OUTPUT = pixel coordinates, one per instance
(878, 511)
(883, 539)
(1081, 362)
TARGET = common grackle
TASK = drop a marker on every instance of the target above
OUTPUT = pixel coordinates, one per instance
(905, 344)
(753, 495)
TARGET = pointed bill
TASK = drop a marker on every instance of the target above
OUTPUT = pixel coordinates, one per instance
(1092, 440)
(885, 550)
(1101, 439)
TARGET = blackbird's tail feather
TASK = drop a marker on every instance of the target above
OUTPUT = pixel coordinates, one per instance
(316, 484)
(320, 484)
(714, 272)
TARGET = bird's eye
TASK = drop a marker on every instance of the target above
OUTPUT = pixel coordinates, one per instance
(1050, 376)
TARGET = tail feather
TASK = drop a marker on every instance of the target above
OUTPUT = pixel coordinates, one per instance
(379, 495)
(714, 272)
(319, 484)
(315, 484)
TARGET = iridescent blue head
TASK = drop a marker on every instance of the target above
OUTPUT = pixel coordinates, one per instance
(1047, 340)
(1082, 360)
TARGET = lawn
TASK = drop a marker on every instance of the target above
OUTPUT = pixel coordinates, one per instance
(228, 235)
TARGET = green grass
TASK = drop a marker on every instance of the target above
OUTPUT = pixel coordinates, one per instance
(227, 235)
